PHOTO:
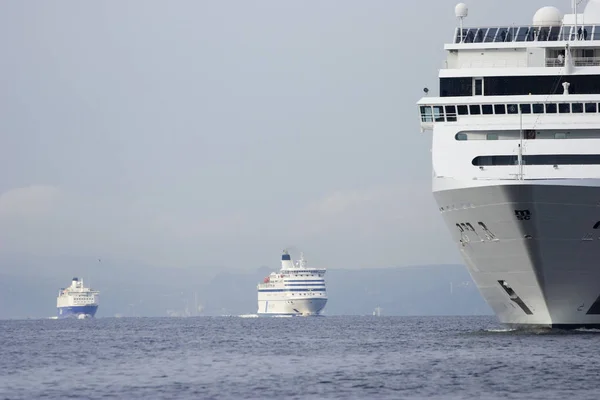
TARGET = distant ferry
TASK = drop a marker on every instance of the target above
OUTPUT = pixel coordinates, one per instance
(77, 301)
(293, 291)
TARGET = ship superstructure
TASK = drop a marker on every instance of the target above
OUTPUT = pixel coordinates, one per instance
(516, 162)
(77, 301)
(295, 290)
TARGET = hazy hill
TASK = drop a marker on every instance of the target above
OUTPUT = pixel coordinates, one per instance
(28, 288)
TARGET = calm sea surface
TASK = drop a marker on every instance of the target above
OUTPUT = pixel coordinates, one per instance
(295, 358)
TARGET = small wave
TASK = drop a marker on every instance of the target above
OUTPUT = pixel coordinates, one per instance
(539, 331)
(588, 330)
(248, 316)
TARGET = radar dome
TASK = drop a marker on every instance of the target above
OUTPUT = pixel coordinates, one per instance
(591, 12)
(548, 16)
(461, 10)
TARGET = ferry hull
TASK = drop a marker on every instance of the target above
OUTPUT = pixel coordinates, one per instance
(76, 311)
(532, 248)
(301, 307)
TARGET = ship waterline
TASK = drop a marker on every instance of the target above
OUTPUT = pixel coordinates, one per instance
(292, 306)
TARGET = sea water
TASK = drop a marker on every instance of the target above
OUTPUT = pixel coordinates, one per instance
(296, 358)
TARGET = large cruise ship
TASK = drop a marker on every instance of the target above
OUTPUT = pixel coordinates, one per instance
(295, 290)
(77, 301)
(516, 162)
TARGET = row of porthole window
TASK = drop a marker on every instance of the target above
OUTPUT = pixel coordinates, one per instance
(450, 113)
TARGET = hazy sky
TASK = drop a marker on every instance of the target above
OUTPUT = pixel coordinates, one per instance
(203, 133)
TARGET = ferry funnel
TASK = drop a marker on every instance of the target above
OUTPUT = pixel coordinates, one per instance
(286, 260)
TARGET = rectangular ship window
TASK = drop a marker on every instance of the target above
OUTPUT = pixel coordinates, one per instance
(524, 34)
(577, 107)
(590, 107)
(538, 108)
(478, 86)
(451, 113)
(500, 108)
(564, 108)
(463, 110)
(512, 108)
(551, 108)
(426, 114)
(438, 113)
(491, 34)
(526, 108)
(542, 34)
(487, 109)
(474, 109)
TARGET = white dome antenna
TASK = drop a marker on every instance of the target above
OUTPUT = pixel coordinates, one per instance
(547, 16)
(461, 11)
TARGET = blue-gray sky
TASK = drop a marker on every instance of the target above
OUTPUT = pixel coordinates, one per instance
(215, 133)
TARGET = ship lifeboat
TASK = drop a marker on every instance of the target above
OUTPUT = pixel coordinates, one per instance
(266, 280)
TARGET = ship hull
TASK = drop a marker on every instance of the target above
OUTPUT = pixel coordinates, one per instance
(291, 307)
(77, 311)
(531, 247)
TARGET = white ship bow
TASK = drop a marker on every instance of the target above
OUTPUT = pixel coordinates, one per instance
(516, 161)
(531, 248)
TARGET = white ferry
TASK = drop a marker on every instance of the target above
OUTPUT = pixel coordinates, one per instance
(296, 290)
(516, 162)
(77, 301)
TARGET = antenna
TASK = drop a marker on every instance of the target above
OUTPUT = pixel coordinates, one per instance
(520, 143)
(575, 13)
(461, 11)
(575, 4)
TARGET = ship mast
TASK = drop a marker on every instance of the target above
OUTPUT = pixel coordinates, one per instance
(575, 14)
(461, 11)
(520, 155)
(575, 4)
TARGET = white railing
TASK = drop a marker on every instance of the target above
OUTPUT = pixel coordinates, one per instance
(524, 33)
(577, 61)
